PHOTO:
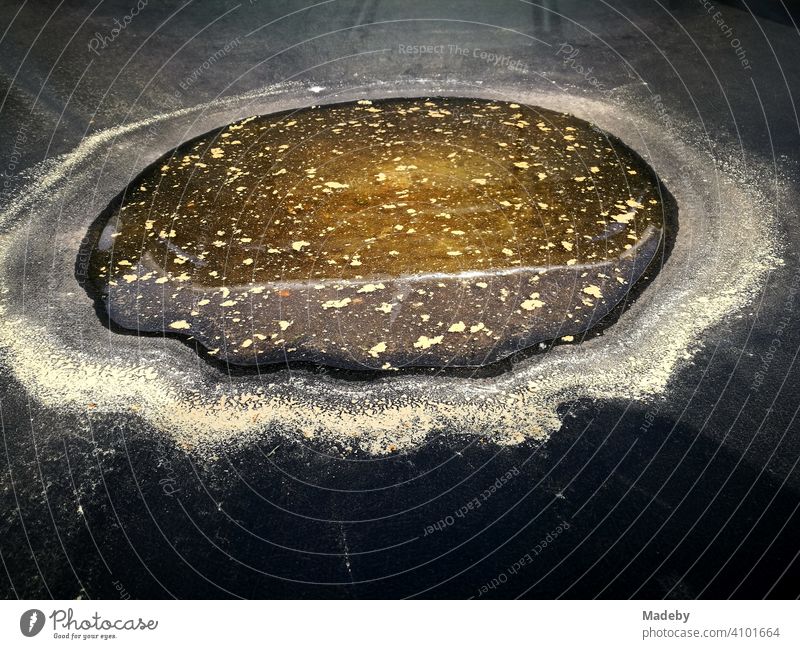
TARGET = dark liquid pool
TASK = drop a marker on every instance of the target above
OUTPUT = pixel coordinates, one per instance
(382, 234)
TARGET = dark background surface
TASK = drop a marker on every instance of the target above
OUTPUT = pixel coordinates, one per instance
(695, 496)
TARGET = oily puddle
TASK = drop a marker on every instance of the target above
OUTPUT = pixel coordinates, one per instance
(381, 235)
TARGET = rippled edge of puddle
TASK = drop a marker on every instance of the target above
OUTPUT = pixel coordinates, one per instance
(67, 360)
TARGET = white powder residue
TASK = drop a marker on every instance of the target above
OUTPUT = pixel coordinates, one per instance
(64, 357)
